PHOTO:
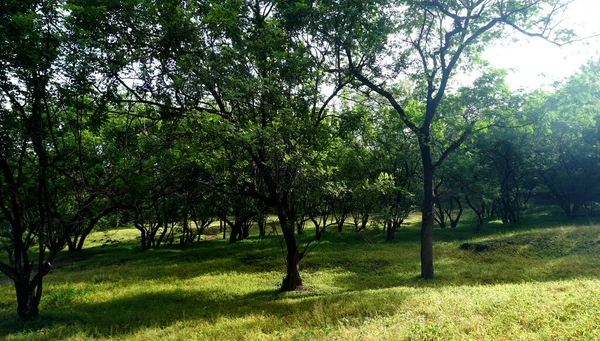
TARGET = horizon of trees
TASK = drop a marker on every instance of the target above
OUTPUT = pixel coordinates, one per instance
(169, 115)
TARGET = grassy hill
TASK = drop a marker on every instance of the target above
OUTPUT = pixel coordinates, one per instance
(536, 281)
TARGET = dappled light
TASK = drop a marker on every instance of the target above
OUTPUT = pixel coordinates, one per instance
(350, 286)
(297, 170)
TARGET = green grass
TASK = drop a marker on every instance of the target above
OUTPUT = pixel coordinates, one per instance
(537, 281)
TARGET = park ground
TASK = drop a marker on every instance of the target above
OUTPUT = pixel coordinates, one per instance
(537, 280)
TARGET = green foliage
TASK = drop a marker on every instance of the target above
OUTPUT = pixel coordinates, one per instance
(567, 154)
(164, 113)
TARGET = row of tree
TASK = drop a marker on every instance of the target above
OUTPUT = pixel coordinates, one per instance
(167, 115)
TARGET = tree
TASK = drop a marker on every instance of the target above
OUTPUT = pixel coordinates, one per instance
(566, 141)
(433, 40)
(48, 150)
(234, 63)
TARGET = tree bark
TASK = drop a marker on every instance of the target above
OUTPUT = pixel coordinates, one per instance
(235, 230)
(391, 230)
(292, 279)
(428, 211)
(261, 221)
(28, 299)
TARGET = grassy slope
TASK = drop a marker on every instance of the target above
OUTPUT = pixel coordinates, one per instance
(533, 283)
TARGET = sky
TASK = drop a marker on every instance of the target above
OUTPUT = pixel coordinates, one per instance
(536, 63)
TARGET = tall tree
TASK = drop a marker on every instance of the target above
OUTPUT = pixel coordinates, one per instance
(431, 41)
(234, 63)
(47, 154)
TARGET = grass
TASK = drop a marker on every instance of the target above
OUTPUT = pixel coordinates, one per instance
(537, 281)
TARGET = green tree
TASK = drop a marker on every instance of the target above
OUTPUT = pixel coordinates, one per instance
(48, 148)
(566, 141)
(232, 62)
(432, 41)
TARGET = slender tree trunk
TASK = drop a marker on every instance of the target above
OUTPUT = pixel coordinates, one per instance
(165, 227)
(233, 235)
(261, 221)
(143, 236)
(292, 279)
(90, 226)
(341, 222)
(454, 222)
(391, 230)
(315, 222)
(364, 221)
(72, 244)
(185, 232)
(480, 213)
(440, 214)
(246, 229)
(428, 212)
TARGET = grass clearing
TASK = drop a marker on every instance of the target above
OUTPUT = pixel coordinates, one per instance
(533, 283)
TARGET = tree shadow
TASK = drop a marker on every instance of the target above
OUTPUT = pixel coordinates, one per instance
(356, 272)
(130, 313)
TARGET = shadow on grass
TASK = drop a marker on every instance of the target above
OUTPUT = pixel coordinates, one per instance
(370, 263)
(383, 264)
(128, 314)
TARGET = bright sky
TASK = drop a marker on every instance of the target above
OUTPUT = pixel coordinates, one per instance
(535, 62)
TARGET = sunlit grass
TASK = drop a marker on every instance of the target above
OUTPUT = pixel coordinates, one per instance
(532, 283)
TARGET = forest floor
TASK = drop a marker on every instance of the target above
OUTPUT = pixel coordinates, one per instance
(538, 280)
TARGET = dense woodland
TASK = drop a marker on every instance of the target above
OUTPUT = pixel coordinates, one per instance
(171, 115)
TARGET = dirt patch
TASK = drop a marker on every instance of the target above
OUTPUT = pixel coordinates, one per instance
(476, 247)
(249, 260)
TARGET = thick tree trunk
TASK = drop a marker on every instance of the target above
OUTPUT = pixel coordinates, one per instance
(28, 299)
(292, 279)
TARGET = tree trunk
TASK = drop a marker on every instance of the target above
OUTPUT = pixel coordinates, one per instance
(365, 220)
(391, 230)
(143, 236)
(292, 279)
(316, 222)
(341, 222)
(186, 234)
(428, 212)
(233, 235)
(72, 244)
(261, 221)
(245, 233)
(28, 299)
(440, 216)
(454, 222)
(480, 213)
